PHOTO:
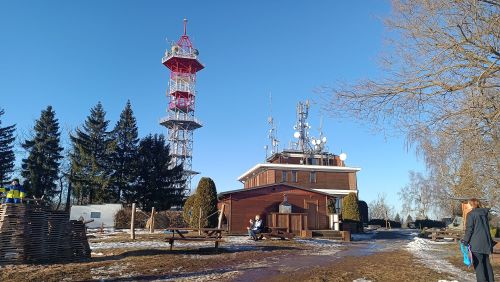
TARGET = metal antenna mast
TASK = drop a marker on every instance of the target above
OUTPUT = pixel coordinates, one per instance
(273, 132)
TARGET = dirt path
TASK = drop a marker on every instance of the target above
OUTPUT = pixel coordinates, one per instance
(395, 255)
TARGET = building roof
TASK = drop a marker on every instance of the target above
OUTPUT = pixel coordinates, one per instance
(263, 166)
(317, 191)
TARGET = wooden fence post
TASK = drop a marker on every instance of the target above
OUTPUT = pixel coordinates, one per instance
(219, 223)
(152, 226)
(132, 223)
(199, 223)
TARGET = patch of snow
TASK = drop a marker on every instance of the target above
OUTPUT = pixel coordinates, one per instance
(432, 257)
(361, 280)
(203, 276)
(320, 247)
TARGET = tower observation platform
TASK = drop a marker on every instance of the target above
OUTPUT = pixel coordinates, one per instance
(182, 60)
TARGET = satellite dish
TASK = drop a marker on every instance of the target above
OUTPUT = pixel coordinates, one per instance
(318, 141)
(343, 156)
(313, 141)
(323, 139)
(296, 134)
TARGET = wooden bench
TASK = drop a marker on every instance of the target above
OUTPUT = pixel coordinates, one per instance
(442, 234)
(208, 235)
(277, 232)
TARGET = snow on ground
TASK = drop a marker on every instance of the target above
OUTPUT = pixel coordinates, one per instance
(321, 247)
(427, 253)
(234, 243)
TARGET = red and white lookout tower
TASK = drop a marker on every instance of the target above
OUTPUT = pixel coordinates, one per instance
(182, 60)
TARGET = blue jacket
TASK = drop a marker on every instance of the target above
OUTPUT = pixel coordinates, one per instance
(477, 232)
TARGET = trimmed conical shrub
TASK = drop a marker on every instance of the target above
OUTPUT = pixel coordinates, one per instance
(204, 199)
(350, 208)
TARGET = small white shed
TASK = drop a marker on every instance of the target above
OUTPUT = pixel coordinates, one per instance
(104, 213)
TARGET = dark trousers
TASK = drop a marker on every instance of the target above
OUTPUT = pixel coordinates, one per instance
(482, 265)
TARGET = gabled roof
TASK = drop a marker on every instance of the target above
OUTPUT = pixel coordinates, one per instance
(271, 185)
(263, 166)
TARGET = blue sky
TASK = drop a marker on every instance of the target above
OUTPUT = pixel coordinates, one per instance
(72, 54)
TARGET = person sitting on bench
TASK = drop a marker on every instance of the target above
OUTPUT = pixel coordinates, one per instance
(256, 228)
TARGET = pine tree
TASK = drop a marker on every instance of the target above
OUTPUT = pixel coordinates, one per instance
(41, 167)
(157, 183)
(124, 156)
(7, 156)
(397, 218)
(408, 219)
(206, 200)
(350, 209)
(93, 146)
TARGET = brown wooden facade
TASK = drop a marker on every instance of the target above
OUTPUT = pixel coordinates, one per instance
(242, 205)
(303, 178)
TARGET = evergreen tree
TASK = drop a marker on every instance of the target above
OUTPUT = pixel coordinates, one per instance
(350, 209)
(7, 156)
(158, 185)
(187, 211)
(125, 153)
(409, 219)
(397, 218)
(206, 200)
(41, 167)
(93, 147)
(363, 211)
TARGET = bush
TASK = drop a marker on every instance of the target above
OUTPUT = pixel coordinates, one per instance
(187, 210)
(428, 223)
(163, 219)
(331, 206)
(350, 209)
(494, 232)
(363, 211)
(381, 222)
(205, 198)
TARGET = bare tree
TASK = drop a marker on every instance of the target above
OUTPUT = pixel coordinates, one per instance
(419, 195)
(379, 209)
(440, 88)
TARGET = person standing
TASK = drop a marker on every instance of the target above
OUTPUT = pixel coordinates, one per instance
(15, 192)
(477, 235)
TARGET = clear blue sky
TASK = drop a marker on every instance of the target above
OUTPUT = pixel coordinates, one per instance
(72, 54)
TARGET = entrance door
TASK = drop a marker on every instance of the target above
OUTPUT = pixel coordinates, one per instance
(312, 214)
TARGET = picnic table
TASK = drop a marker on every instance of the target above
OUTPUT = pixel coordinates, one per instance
(277, 232)
(442, 234)
(207, 234)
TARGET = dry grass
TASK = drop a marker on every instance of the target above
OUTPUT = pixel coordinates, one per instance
(385, 266)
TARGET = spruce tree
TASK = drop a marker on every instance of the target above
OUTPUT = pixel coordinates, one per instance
(93, 146)
(397, 218)
(41, 167)
(206, 200)
(157, 182)
(124, 156)
(7, 156)
(408, 219)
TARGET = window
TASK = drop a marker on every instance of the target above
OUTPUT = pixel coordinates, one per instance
(283, 176)
(312, 177)
(294, 176)
(95, 215)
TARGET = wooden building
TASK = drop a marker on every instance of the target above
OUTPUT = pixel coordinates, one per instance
(308, 181)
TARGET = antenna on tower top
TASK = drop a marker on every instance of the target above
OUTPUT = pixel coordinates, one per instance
(273, 132)
(185, 26)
